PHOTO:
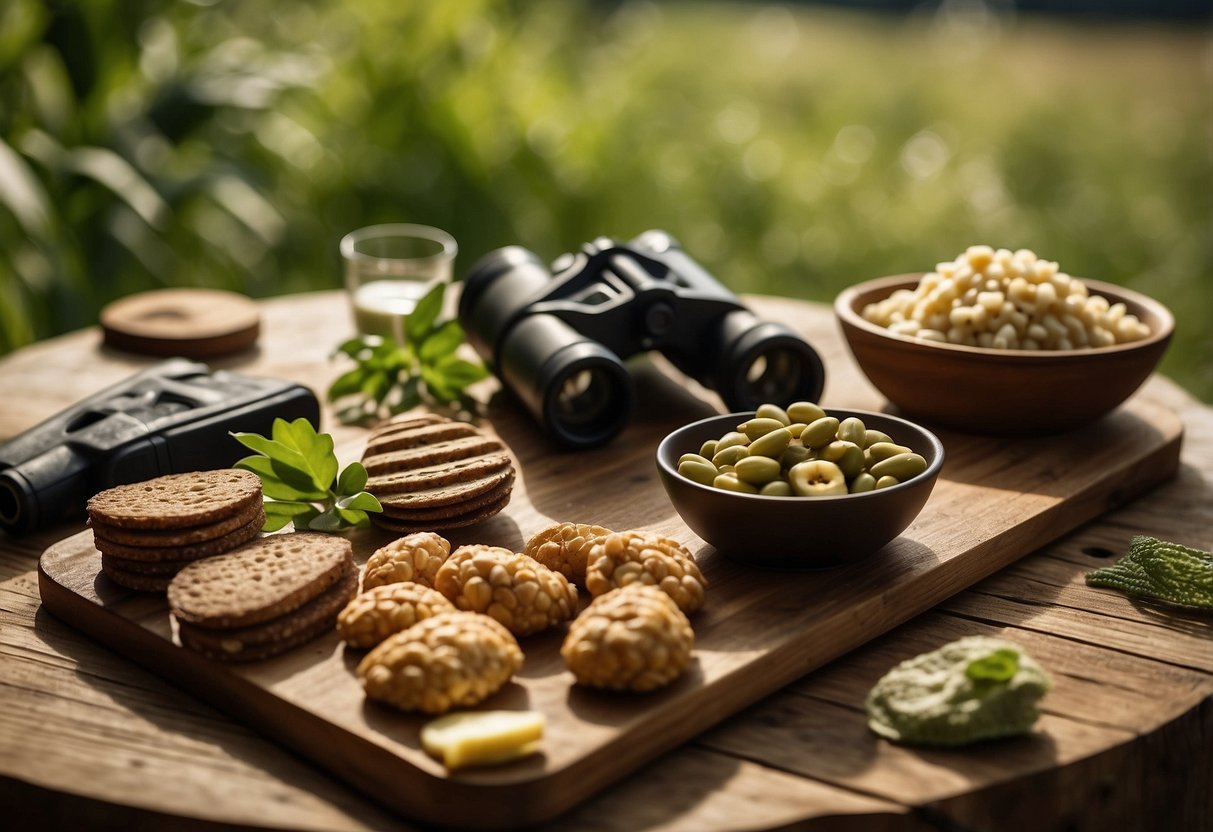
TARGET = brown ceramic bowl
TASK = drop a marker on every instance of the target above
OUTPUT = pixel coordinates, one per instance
(993, 391)
(797, 532)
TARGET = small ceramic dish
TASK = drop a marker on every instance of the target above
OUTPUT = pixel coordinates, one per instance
(1001, 392)
(798, 532)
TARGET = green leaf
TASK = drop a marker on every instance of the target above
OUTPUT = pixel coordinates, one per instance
(362, 501)
(357, 519)
(460, 373)
(353, 346)
(352, 479)
(999, 666)
(315, 449)
(326, 521)
(419, 322)
(436, 382)
(441, 342)
(347, 384)
(279, 513)
(279, 481)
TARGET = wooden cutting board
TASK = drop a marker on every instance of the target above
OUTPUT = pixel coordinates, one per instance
(995, 501)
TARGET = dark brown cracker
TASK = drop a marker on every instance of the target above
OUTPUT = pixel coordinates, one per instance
(448, 451)
(161, 538)
(206, 548)
(417, 437)
(136, 580)
(144, 567)
(277, 635)
(432, 476)
(409, 515)
(404, 421)
(177, 501)
(259, 581)
(444, 495)
(473, 517)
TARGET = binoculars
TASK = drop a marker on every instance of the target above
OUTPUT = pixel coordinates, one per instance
(557, 338)
(171, 418)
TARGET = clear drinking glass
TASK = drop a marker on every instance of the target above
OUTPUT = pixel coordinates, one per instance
(387, 270)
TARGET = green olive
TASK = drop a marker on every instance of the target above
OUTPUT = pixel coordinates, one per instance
(886, 481)
(796, 428)
(694, 458)
(776, 488)
(820, 432)
(730, 455)
(701, 472)
(773, 411)
(863, 482)
(817, 478)
(874, 436)
(731, 439)
(754, 428)
(757, 470)
(708, 449)
(794, 454)
(835, 450)
(884, 450)
(729, 482)
(902, 466)
(806, 412)
(852, 429)
(771, 444)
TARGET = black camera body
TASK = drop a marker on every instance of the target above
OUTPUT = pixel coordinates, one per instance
(171, 418)
(557, 338)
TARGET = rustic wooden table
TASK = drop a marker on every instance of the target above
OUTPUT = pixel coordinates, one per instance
(89, 740)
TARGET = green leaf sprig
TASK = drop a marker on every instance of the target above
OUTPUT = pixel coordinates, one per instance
(390, 378)
(298, 472)
(1162, 571)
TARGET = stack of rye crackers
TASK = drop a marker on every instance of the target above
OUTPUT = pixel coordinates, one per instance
(237, 595)
(429, 472)
(147, 532)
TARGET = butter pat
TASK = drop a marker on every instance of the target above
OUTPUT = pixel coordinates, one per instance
(474, 738)
(972, 689)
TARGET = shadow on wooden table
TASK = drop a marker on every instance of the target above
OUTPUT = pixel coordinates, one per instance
(142, 696)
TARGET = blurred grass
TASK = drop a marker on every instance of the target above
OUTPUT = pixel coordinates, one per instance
(792, 150)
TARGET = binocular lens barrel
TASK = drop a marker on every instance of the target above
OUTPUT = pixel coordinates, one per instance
(765, 362)
(576, 388)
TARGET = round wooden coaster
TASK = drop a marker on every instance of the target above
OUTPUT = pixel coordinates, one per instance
(194, 323)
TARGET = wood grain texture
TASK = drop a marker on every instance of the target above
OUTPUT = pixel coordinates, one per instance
(83, 719)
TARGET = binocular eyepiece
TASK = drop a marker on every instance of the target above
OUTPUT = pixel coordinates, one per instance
(557, 338)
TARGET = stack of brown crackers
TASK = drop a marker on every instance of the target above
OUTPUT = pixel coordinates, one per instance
(430, 472)
(149, 531)
(264, 598)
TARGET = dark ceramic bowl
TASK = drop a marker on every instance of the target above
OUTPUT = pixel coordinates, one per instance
(1001, 392)
(798, 532)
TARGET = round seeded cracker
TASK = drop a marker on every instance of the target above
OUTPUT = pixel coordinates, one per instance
(261, 580)
(151, 553)
(186, 536)
(176, 501)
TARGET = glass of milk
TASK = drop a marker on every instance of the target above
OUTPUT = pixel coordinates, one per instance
(387, 270)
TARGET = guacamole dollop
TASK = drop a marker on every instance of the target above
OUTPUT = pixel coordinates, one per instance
(972, 689)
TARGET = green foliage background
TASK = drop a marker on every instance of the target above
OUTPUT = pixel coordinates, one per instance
(792, 150)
